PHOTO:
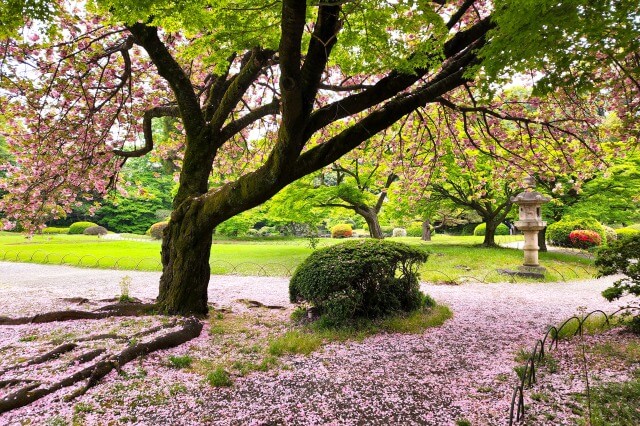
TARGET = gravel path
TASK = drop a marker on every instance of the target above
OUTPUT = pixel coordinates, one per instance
(461, 370)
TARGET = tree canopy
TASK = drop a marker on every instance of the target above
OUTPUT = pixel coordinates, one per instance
(264, 93)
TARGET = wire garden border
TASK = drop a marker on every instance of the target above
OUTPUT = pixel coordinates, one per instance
(527, 372)
(222, 267)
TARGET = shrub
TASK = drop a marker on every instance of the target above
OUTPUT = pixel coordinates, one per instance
(558, 233)
(399, 232)
(481, 230)
(342, 230)
(356, 279)
(621, 257)
(54, 230)
(584, 239)
(157, 229)
(626, 232)
(610, 233)
(79, 227)
(95, 230)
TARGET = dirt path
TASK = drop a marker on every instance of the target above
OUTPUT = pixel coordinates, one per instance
(462, 370)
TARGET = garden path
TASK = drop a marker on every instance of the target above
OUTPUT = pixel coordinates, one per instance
(461, 370)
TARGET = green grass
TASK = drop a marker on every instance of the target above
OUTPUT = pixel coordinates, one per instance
(294, 342)
(219, 378)
(615, 404)
(183, 361)
(594, 324)
(453, 259)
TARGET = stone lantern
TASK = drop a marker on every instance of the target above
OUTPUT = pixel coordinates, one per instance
(530, 203)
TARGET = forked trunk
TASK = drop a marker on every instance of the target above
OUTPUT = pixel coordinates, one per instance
(186, 246)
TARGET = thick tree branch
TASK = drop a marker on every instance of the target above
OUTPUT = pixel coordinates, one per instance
(172, 72)
(323, 39)
(394, 83)
(241, 123)
(157, 112)
(253, 63)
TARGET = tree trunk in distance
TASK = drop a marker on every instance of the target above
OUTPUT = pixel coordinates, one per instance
(426, 230)
(542, 239)
(371, 217)
(490, 234)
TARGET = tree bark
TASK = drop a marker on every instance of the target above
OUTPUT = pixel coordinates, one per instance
(371, 217)
(186, 247)
(490, 234)
(426, 230)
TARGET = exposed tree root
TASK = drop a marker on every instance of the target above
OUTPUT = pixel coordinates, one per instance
(118, 309)
(189, 329)
(89, 356)
(256, 304)
(52, 354)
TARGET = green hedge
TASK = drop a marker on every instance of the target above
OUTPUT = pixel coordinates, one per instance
(481, 230)
(54, 230)
(360, 279)
(558, 233)
(626, 232)
(79, 227)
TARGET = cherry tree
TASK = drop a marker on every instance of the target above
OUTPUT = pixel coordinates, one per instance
(81, 86)
(80, 97)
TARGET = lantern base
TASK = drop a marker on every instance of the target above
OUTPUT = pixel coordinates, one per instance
(536, 272)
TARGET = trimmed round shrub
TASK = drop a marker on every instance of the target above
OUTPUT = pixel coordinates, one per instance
(79, 227)
(360, 279)
(610, 233)
(481, 230)
(54, 230)
(626, 232)
(584, 239)
(399, 232)
(558, 233)
(342, 230)
(156, 230)
(95, 230)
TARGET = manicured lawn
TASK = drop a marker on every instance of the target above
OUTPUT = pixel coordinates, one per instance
(453, 259)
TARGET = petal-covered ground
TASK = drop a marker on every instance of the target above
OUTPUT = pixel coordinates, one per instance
(461, 370)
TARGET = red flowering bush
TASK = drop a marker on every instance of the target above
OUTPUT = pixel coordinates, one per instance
(584, 239)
